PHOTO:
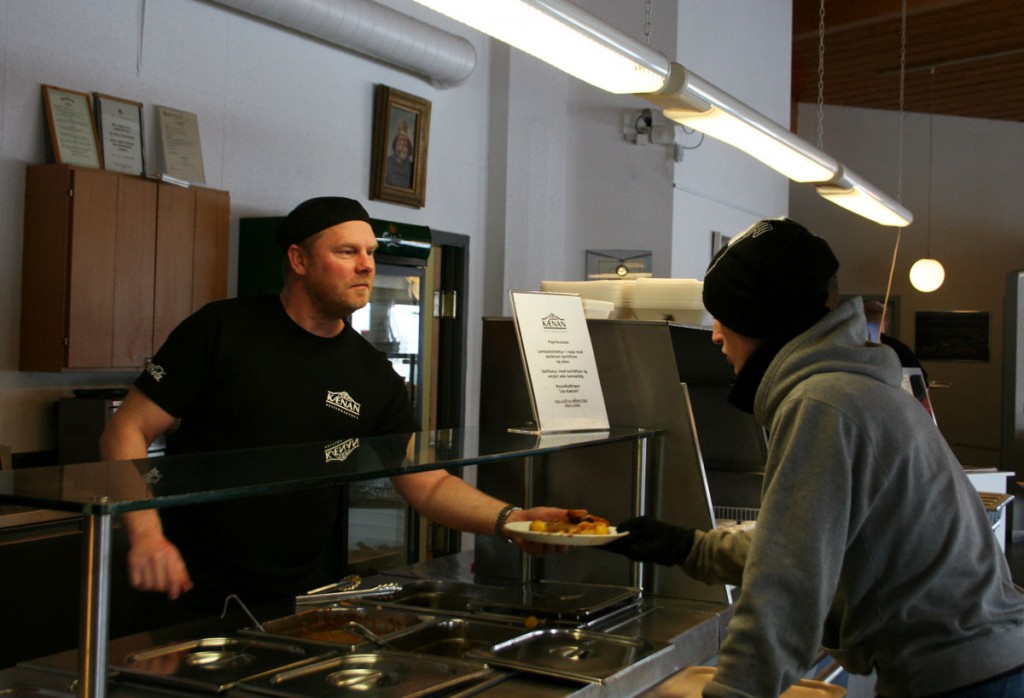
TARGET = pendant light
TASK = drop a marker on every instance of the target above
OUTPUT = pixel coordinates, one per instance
(927, 274)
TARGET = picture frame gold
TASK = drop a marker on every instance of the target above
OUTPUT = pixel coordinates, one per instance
(71, 127)
(119, 126)
(401, 135)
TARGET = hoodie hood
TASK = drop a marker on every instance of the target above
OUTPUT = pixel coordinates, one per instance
(836, 343)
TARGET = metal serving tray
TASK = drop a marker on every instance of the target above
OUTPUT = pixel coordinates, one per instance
(373, 675)
(434, 595)
(215, 664)
(570, 601)
(327, 626)
(453, 637)
(578, 655)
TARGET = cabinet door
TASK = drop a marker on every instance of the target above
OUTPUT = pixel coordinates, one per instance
(90, 307)
(210, 254)
(192, 254)
(175, 220)
(134, 261)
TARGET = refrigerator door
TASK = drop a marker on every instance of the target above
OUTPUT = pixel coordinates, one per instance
(382, 529)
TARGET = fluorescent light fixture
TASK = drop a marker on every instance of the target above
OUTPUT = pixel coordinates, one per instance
(848, 190)
(694, 102)
(567, 37)
(577, 42)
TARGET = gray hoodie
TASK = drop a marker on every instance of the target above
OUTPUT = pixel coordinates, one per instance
(871, 542)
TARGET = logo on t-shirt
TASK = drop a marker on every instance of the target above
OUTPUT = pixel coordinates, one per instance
(157, 372)
(340, 450)
(344, 403)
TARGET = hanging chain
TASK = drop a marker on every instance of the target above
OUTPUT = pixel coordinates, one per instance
(899, 164)
(903, 71)
(821, 74)
(647, 21)
(931, 140)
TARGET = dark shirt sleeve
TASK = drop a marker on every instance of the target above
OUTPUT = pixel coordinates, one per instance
(175, 376)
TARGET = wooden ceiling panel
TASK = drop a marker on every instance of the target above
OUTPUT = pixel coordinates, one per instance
(963, 57)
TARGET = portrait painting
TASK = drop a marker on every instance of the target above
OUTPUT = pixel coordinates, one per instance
(401, 129)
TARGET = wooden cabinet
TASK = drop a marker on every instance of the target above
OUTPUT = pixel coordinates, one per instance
(112, 263)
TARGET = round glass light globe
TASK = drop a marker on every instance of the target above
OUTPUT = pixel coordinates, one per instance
(927, 275)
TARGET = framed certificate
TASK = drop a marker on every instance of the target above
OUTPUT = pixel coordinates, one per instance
(120, 133)
(181, 156)
(71, 127)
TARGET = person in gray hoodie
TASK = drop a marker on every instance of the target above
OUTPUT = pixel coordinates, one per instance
(870, 542)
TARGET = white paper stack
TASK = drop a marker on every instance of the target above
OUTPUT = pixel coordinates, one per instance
(614, 292)
(674, 300)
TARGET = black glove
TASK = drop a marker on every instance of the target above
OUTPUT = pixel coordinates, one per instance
(651, 540)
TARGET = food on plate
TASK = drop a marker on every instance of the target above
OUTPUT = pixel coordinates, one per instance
(580, 523)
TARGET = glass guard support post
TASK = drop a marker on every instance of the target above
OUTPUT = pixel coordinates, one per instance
(640, 446)
(95, 613)
(529, 467)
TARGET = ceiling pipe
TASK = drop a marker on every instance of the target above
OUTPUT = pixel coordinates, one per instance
(371, 29)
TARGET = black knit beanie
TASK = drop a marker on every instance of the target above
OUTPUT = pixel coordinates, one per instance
(771, 280)
(314, 215)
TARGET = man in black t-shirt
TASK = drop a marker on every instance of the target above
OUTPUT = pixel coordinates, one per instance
(263, 371)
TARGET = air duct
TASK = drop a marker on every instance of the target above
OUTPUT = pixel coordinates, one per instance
(373, 30)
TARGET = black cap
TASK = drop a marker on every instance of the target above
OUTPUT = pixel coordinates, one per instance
(771, 280)
(314, 215)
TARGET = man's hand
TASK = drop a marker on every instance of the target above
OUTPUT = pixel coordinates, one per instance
(538, 514)
(154, 563)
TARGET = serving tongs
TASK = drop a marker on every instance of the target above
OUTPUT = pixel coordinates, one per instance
(345, 588)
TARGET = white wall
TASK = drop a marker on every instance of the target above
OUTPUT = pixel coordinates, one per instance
(976, 207)
(282, 117)
(528, 163)
(743, 48)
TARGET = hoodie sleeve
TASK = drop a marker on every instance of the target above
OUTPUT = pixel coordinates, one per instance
(794, 561)
(718, 557)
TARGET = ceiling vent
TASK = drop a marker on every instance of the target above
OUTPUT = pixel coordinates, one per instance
(371, 29)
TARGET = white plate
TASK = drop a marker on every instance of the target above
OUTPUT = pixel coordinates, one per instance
(522, 529)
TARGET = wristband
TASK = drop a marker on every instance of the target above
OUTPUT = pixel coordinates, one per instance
(499, 523)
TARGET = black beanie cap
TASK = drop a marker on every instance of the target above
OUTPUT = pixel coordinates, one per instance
(771, 280)
(314, 215)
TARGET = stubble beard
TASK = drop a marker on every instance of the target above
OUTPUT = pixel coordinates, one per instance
(339, 304)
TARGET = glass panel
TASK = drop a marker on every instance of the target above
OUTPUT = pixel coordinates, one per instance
(391, 322)
(153, 483)
(376, 527)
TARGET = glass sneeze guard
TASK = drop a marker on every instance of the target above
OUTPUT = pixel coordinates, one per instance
(114, 487)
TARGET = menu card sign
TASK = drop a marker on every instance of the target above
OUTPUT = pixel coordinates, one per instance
(561, 372)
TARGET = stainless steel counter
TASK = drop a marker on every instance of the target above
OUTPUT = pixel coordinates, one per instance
(685, 632)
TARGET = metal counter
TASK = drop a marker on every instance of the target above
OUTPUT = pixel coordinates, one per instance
(691, 632)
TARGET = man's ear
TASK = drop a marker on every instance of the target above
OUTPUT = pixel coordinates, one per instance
(296, 259)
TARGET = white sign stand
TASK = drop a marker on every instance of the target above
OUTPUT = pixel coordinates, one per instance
(565, 389)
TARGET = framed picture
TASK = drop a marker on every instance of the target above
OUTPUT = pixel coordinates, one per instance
(71, 127)
(120, 133)
(401, 132)
(955, 335)
(180, 155)
(618, 264)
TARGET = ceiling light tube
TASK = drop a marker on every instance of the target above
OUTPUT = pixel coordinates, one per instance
(694, 102)
(854, 194)
(566, 36)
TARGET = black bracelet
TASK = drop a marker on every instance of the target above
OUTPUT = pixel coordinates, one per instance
(499, 523)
